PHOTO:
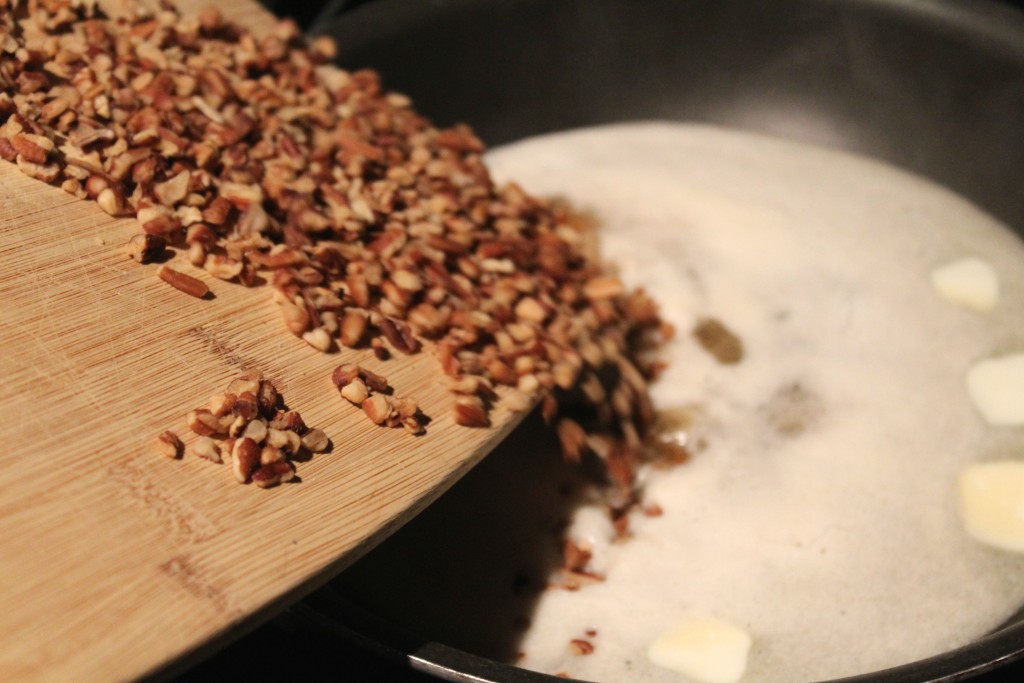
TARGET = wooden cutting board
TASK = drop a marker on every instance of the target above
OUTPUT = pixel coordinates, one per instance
(115, 562)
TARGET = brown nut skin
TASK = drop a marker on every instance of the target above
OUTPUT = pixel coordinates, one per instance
(204, 423)
(245, 458)
(375, 382)
(344, 374)
(293, 421)
(182, 282)
(200, 233)
(471, 412)
(236, 424)
(399, 335)
(267, 399)
(273, 474)
(248, 382)
(246, 406)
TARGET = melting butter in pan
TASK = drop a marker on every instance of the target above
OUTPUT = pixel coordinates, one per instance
(969, 282)
(706, 649)
(820, 512)
(991, 497)
(996, 386)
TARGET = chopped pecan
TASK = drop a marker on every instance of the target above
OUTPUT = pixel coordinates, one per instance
(204, 423)
(399, 335)
(145, 248)
(352, 328)
(267, 398)
(471, 412)
(169, 445)
(315, 441)
(183, 282)
(377, 408)
(206, 448)
(245, 458)
(273, 474)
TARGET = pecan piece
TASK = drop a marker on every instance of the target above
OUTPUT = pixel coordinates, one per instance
(267, 398)
(222, 267)
(273, 474)
(246, 406)
(32, 148)
(204, 423)
(399, 335)
(206, 448)
(352, 327)
(284, 439)
(222, 404)
(471, 412)
(355, 391)
(245, 458)
(377, 408)
(319, 339)
(315, 441)
(374, 381)
(256, 430)
(344, 374)
(169, 445)
(291, 420)
(145, 248)
(182, 282)
(111, 201)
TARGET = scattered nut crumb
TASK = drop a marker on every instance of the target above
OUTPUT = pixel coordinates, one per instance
(719, 341)
(169, 445)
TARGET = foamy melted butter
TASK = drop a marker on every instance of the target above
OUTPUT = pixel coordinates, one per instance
(820, 517)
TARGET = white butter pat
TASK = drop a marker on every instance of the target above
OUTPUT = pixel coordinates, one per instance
(705, 649)
(991, 498)
(969, 282)
(996, 388)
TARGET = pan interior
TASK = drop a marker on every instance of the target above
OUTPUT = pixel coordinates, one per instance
(931, 87)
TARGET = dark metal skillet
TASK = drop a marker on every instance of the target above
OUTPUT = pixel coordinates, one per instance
(934, 86)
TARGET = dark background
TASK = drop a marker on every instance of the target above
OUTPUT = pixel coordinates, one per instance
(312, 13)
(287, 648)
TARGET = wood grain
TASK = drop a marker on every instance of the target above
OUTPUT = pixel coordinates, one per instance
(114, 561)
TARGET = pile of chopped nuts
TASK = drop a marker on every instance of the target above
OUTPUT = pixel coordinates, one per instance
(257, 436)
(373, 228)
(370, 391)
